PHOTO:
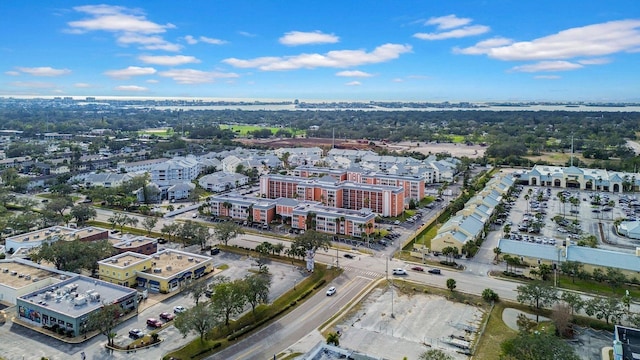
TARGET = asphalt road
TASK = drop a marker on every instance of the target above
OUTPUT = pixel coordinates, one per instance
(286, 331)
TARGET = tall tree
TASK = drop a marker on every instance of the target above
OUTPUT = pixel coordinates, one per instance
(105, 320)
(607, 308)
(83, 213)
(196, 288)
(228, 299)
(256, 290)
(200, 318)
(571, 268)
(149, 223)
(536, 295)
(451, 284)
(226, 231)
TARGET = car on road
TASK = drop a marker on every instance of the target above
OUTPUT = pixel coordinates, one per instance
(417, 268)
(179, 309)
(331, 291)
(135, 333)
(349, 256)
(397, 222)
(434, 271)
(214, 251)
(399, 271)
(154, 323)
(194, 215)
(167, 316)
(162, 241)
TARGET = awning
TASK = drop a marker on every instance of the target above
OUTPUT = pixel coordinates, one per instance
(200, 270)
(141, 280)
(153, 282)
(185, 275)
(173, 280)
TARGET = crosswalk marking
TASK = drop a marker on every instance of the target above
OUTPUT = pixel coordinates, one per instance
(370, 274)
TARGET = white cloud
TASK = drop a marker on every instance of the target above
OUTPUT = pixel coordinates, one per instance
(398, 80)
(548, 66)
(168, 60)
(353, 73)
(332, 59)
(448, 22)
(133, 88)
(455, 33)
(247, 34)
(207, 40)
(295, 38)
(43, 71)
(191, 76)
(587, 41)
(212, 41)
(152, 81)
(547, 77)
(354, 83)
(82, 85)
(12, 73)
(130, 71)
(115, 19)
(483, 46)
(148, 42)
(595, 61)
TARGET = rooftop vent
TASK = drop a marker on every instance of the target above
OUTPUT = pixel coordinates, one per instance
(5, 270)
(157, 270)
(169, 267)
(179, 256)
(190, 259)
(115, 261)
(27, 277)
(35, 279)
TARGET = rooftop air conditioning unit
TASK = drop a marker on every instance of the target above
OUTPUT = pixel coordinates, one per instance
(115, 261)
(5, 270)
(35, 279)
(157, 257)
(190, 259)
(157, 270)
(169, 267)
(179, 256)
(126, 263)
(20, 275)
(27, 277)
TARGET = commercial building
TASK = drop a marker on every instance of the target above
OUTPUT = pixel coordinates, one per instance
(68, 304)
(583, 179)
(19, 277)
(52, 234)
(164, 271)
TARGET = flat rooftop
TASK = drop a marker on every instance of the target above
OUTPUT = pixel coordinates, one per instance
(89, 231)
(42, 234)
(17, 275)
(77, 296)
(124, 260)
(177, 262)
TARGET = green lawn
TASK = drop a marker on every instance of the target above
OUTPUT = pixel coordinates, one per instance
(243, 130)
(495, 333)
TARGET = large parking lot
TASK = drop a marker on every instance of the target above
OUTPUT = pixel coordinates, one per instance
(531, 216)
(398, 325)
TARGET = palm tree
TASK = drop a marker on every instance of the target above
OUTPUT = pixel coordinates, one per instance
(563, 201)
(526, 198)
(497, 251)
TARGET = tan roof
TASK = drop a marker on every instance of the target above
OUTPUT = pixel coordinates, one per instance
(19, 275)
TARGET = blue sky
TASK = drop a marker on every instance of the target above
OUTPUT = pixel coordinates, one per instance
(323, 50)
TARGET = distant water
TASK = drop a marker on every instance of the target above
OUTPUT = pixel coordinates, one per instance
(292, 107)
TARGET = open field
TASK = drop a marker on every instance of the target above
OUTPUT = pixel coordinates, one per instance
(243, 130)
(556, 158)
(162, 132)
(455, 149)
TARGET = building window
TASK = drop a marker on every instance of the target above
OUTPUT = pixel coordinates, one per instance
(126, 274)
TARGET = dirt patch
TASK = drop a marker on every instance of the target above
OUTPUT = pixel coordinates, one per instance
(455, 150)
(417, 323)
